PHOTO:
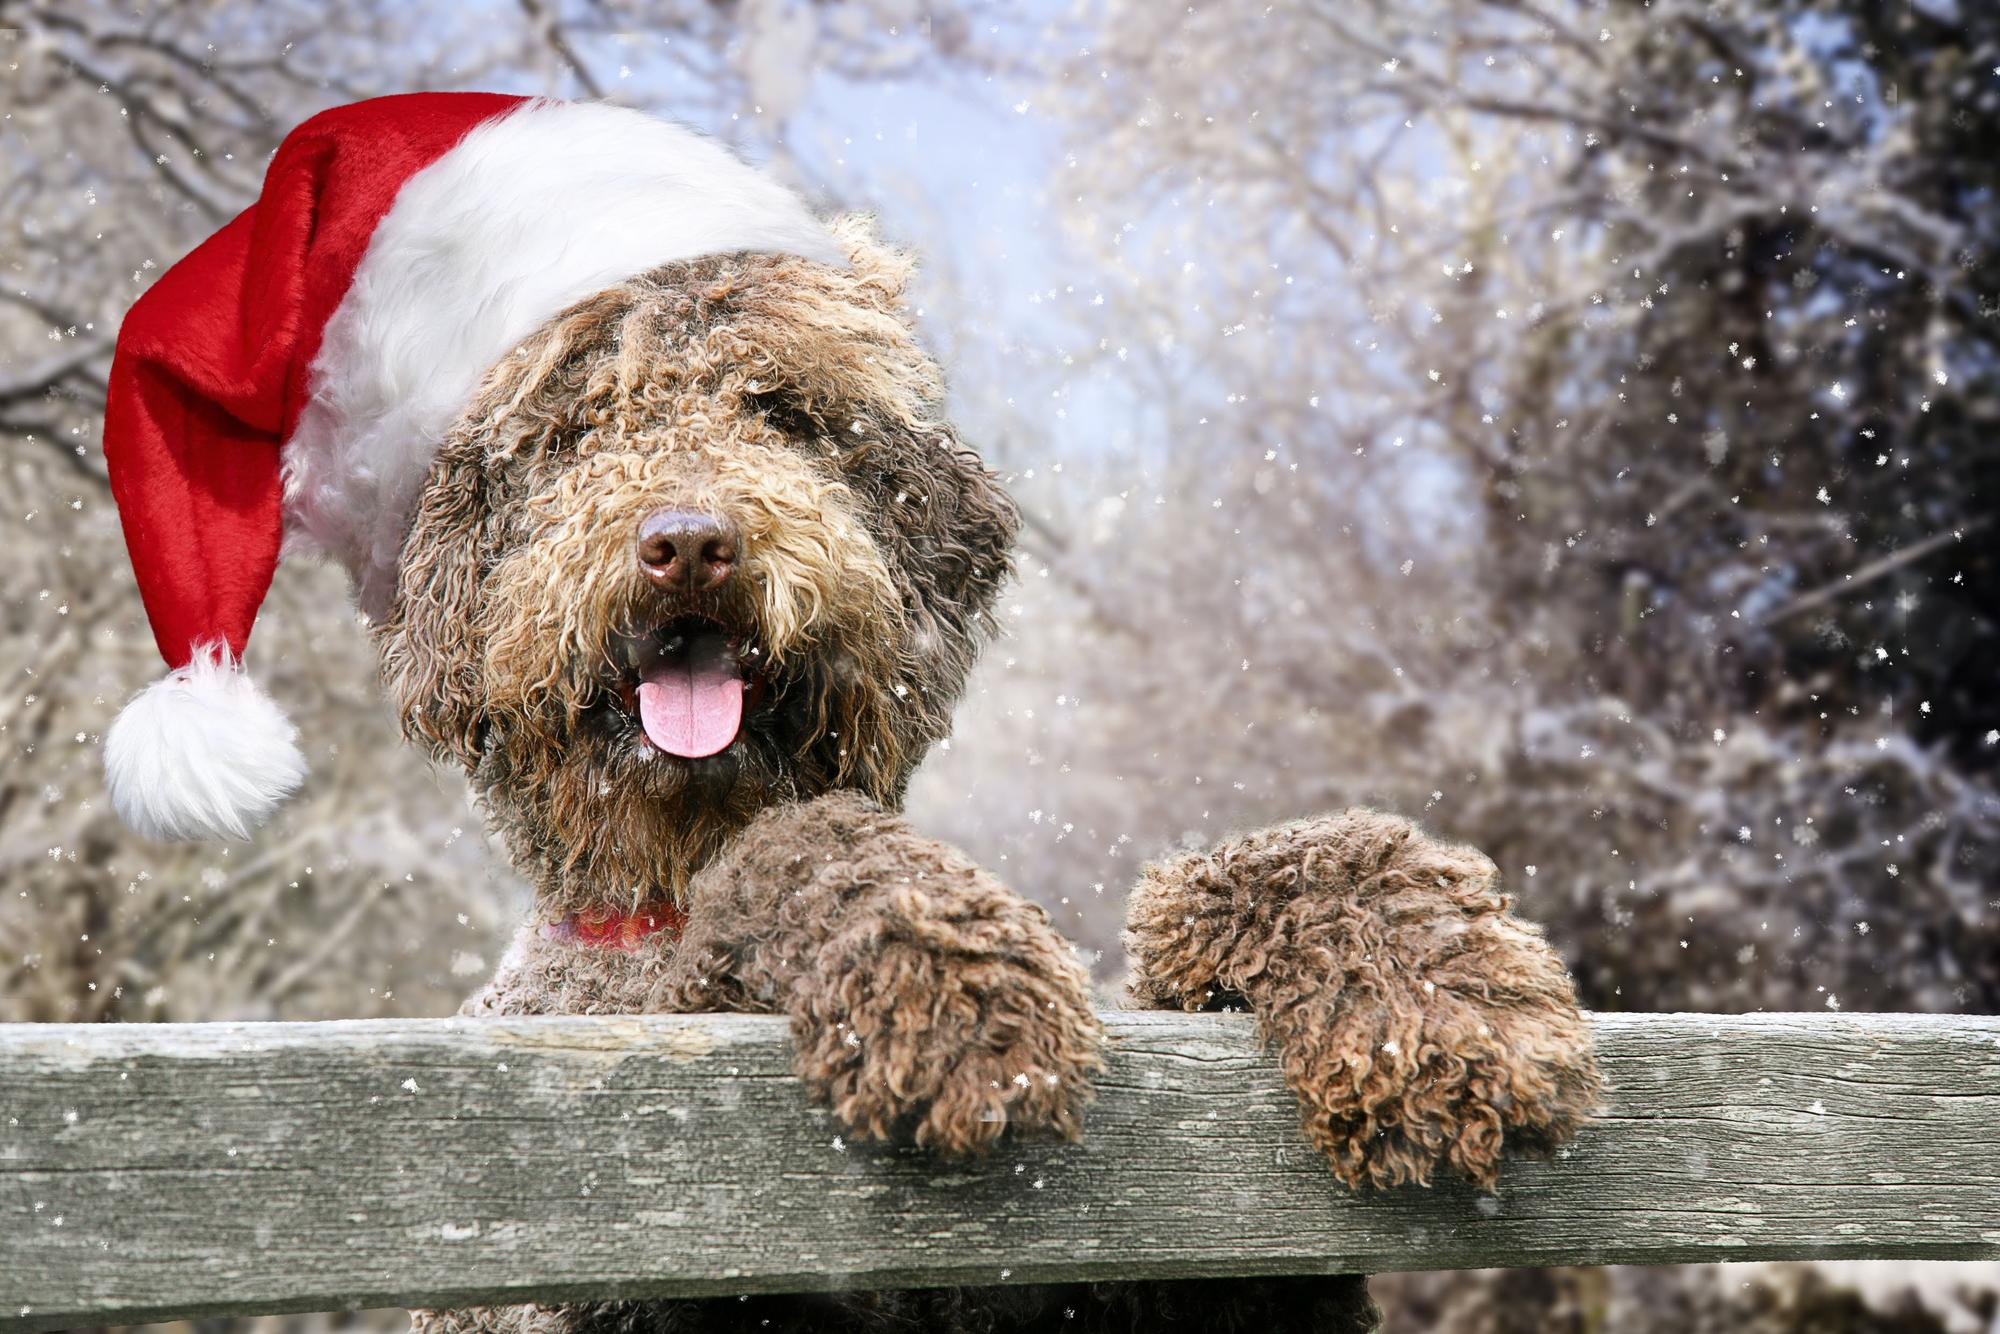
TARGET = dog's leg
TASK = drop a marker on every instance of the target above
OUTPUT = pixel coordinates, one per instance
(1419, 1022)
(925, 998)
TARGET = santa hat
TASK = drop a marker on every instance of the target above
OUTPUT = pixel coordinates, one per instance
(285, 387)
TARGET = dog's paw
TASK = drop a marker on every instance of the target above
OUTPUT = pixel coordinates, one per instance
(1395, 1082)
(1420, 1023)
(926, 1000)
(948, 1014)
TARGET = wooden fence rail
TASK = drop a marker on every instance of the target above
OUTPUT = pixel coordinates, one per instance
(161, 1171)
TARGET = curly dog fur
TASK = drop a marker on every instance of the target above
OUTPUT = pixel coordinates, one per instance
(1419, 1023)
(992, 1024)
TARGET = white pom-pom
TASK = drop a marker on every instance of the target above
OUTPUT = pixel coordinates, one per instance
(201, 754)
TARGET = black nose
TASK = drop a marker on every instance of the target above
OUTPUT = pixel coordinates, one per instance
(685, 551)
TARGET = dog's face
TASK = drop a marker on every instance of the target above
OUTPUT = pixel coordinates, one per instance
(703, 543)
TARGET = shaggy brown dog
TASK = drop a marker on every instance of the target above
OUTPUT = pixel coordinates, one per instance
(738, 466)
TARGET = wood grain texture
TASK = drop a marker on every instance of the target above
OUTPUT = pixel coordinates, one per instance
(161, 1171)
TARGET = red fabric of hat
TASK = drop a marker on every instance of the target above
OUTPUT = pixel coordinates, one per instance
(211, 367)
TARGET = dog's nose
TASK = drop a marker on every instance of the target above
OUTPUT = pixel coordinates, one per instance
(684, 551)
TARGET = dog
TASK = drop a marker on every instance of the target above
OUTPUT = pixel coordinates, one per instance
(646, 487)
(692, 587)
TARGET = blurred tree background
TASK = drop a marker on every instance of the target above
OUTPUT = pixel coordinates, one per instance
(1566, 422)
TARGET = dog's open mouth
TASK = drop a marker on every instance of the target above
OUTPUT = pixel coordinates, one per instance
(692, 682)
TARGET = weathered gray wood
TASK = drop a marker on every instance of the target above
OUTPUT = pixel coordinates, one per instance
(148, 1172)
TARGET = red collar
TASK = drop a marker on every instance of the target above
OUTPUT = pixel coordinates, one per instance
(611, 929)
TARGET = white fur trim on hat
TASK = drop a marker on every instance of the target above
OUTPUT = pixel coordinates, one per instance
(528, 214)
(202, 753)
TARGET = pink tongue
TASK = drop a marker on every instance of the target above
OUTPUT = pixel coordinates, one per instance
(692, 705)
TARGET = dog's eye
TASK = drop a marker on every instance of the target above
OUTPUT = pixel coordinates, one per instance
(786, 415)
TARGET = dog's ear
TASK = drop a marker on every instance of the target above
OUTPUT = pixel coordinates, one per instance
(950, 507)
(431, 643)
(967, 529)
